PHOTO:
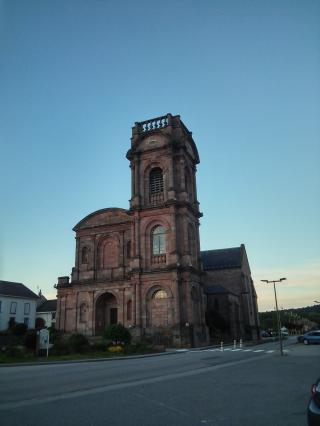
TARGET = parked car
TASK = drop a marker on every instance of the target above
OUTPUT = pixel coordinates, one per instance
(310, 337)
(314, 405)
(264, 334)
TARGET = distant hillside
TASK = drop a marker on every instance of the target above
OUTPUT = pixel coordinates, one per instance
(307, 309)
(291, 318)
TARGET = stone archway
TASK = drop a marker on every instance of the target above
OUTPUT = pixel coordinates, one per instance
(106, 312)
(159, 308)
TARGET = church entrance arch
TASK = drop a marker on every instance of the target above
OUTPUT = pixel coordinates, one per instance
(106, 312)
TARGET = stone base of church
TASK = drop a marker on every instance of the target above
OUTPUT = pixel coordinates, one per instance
(175, 336)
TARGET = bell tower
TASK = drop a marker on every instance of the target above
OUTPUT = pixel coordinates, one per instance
(165, 227)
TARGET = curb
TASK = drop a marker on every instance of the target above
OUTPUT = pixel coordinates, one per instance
(79, 361)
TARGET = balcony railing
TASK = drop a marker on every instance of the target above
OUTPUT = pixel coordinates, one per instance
(154, 123)
(158, 259)
(156, 199)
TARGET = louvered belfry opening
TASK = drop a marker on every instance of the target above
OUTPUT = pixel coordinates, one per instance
(156, 186)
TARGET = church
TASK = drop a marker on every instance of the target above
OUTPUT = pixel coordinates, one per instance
(143, 267)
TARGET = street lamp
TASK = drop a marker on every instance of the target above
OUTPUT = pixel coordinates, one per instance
(278, 315)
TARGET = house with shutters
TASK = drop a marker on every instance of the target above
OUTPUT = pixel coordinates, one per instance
(17, 305)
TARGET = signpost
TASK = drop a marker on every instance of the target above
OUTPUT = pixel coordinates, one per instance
(44, 340)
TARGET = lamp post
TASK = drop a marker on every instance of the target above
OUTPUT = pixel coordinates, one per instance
(277, 310)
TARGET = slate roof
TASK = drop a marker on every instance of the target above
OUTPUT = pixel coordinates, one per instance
(222, 258)
(216, 289)
(8, 288)
(48, 306)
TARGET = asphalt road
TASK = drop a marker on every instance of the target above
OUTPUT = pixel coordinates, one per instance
(252, 386)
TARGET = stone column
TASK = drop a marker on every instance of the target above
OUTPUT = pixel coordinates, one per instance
(177, 302)
(134, 317)
(132, 180)
(77, 253)
(93, 310)
(171, 194)
(76, 315)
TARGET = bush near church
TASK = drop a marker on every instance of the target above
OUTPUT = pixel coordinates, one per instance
(117, 334)
(75, 343)
(78, 343)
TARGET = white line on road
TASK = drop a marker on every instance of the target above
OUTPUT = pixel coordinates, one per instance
(259, 350)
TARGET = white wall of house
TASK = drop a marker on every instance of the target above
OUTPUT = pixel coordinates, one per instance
(22, 310)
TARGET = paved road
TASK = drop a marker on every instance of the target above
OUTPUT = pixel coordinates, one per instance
(252, 386)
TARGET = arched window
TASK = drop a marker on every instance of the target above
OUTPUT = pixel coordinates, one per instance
(158, 241)
(156, 181)
(160, 294)
(156, 186)
(84, 255)
(129, 310)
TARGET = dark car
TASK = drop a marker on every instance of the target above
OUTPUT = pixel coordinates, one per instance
(310, 337)
(314, 405)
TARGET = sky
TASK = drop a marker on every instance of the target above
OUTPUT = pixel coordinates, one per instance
(245, 77)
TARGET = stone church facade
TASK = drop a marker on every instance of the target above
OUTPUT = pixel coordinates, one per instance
(142, 267)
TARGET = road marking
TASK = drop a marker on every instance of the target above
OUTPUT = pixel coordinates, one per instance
(230, 350)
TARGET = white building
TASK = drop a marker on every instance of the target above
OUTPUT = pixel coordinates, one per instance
(46, 313)
(17, 304)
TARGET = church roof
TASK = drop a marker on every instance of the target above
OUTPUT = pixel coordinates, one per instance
(107, 216)
(8, 288)
(222, 258)
(216, 289)
(48, 306)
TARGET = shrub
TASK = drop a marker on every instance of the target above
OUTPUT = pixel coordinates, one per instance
(30, 340)
(117, 333)
(60, 347)
(19, 329)
(115, 348)
(138, 349)
(54, 334)
(14, 351)
(78, 343)
(98, 347)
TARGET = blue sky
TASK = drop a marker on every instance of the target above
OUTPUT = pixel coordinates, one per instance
(244, 76)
